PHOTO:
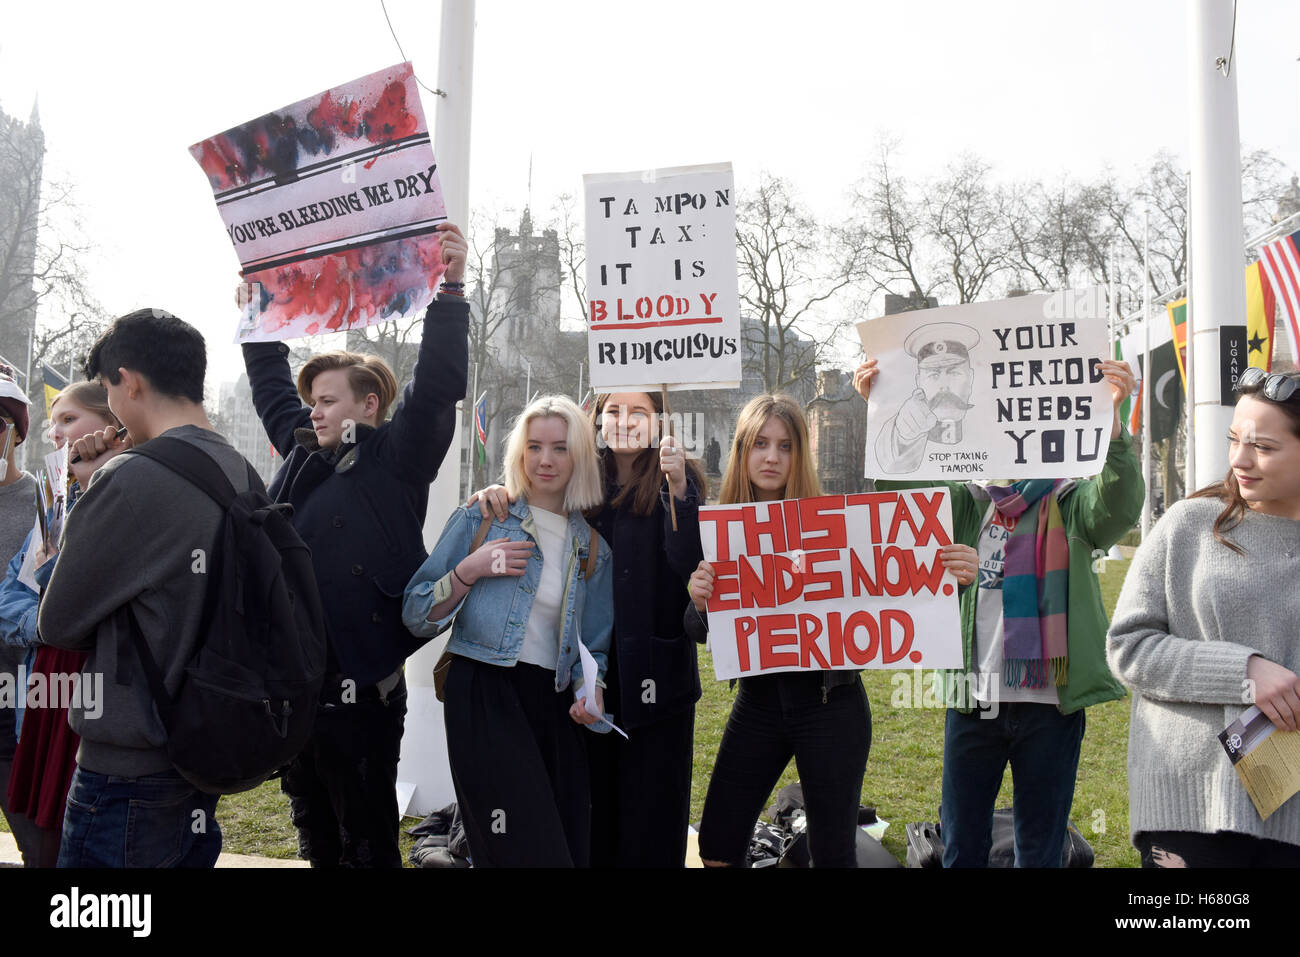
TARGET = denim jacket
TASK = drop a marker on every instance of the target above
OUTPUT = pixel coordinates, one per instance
(491, 619)
(18, 607)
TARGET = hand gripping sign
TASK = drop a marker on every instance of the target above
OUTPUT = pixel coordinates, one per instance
(830, 583)
(332, 205)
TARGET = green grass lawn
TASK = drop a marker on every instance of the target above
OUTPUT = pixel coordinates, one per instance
(902, 780)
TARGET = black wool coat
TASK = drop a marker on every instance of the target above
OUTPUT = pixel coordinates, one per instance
(652, 564)
(361, 507)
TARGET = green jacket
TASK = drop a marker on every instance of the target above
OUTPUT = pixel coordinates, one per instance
(1097, 512)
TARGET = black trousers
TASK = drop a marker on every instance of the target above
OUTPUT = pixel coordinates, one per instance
(774, 718)
(343, 786)
(641, 793)
(38, 846)
(1221, 849)
(518, 765)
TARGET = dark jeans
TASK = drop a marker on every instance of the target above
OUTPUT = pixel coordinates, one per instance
(156, 820)
(343, 786)
(518, 764)
(641, 793)
(1221, 849)
(1042, 746)
(774, 718)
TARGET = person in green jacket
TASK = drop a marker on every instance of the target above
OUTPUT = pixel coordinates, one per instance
(1027, 678)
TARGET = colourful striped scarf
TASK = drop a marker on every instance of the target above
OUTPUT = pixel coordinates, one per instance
(1035, 584)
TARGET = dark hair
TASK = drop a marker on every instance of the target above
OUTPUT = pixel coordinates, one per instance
(643, 488)
(168, 352)
(1228, 490)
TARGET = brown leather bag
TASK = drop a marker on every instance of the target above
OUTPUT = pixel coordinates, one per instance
(444, 661)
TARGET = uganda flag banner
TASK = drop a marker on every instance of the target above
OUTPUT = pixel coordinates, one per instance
(1261, 306)
(1178, 324)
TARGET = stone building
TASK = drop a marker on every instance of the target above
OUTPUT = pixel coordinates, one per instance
(837, 430)
(243, 429)
(525, 351)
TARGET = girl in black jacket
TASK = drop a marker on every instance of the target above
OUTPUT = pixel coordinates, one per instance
(820, 718)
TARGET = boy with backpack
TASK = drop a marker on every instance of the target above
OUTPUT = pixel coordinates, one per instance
(134, 566)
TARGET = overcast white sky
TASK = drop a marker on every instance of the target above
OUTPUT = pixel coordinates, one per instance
(805, 90)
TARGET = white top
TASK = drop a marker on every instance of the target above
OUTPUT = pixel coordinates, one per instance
(992, 548)
(542, 635)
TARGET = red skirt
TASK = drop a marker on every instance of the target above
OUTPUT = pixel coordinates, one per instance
(47, 749)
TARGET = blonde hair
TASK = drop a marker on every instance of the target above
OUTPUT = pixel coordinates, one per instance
(366, 374)
(584, 488)
(802, 482)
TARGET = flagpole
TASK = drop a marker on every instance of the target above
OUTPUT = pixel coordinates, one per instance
(473, 442)
(27, 386)
(1112, 319)
(1145, 397)
(1218, 282)
(424, 772)
(1189, 390)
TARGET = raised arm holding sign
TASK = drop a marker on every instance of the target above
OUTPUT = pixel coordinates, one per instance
(1033, 630)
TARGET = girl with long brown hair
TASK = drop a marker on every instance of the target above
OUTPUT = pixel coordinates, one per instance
(1206, 626)
(820, 718)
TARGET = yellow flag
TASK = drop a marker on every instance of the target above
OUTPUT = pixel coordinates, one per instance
(1259, 317)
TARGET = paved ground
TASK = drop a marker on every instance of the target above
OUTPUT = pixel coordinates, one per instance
(9, 857)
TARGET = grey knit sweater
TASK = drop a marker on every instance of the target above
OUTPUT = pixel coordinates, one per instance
(1191, 613)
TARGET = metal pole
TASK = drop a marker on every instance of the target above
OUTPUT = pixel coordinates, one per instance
(27, 386)
(1146, 374)
(1189, 407)
(1218, 285)
(424, 775)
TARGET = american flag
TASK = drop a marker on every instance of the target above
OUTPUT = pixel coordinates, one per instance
(1281, 260)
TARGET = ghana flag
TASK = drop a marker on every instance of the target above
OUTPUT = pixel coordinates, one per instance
(1260, 309)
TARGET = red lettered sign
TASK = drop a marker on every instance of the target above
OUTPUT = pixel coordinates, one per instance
(834, 582)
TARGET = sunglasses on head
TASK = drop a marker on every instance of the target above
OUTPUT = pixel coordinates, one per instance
(1279, 386)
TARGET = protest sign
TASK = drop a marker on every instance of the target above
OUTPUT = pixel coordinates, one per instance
(663, 304)
(332, 205)
(1008, 389)
(833, 582)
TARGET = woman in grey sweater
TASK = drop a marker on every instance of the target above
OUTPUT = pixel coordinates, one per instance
(1206, 625)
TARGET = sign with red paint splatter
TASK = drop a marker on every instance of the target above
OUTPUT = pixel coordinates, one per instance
(837, 582)
(332, 205)
(663, 306)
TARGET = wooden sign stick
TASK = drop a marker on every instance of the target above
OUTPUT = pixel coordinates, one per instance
(672, 498)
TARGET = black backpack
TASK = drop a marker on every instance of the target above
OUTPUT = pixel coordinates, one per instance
(249, 696)
(925, 844)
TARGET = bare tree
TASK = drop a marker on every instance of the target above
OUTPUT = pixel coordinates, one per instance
(965, 216)
(790, 266)
(42, 253)
(889, 227)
